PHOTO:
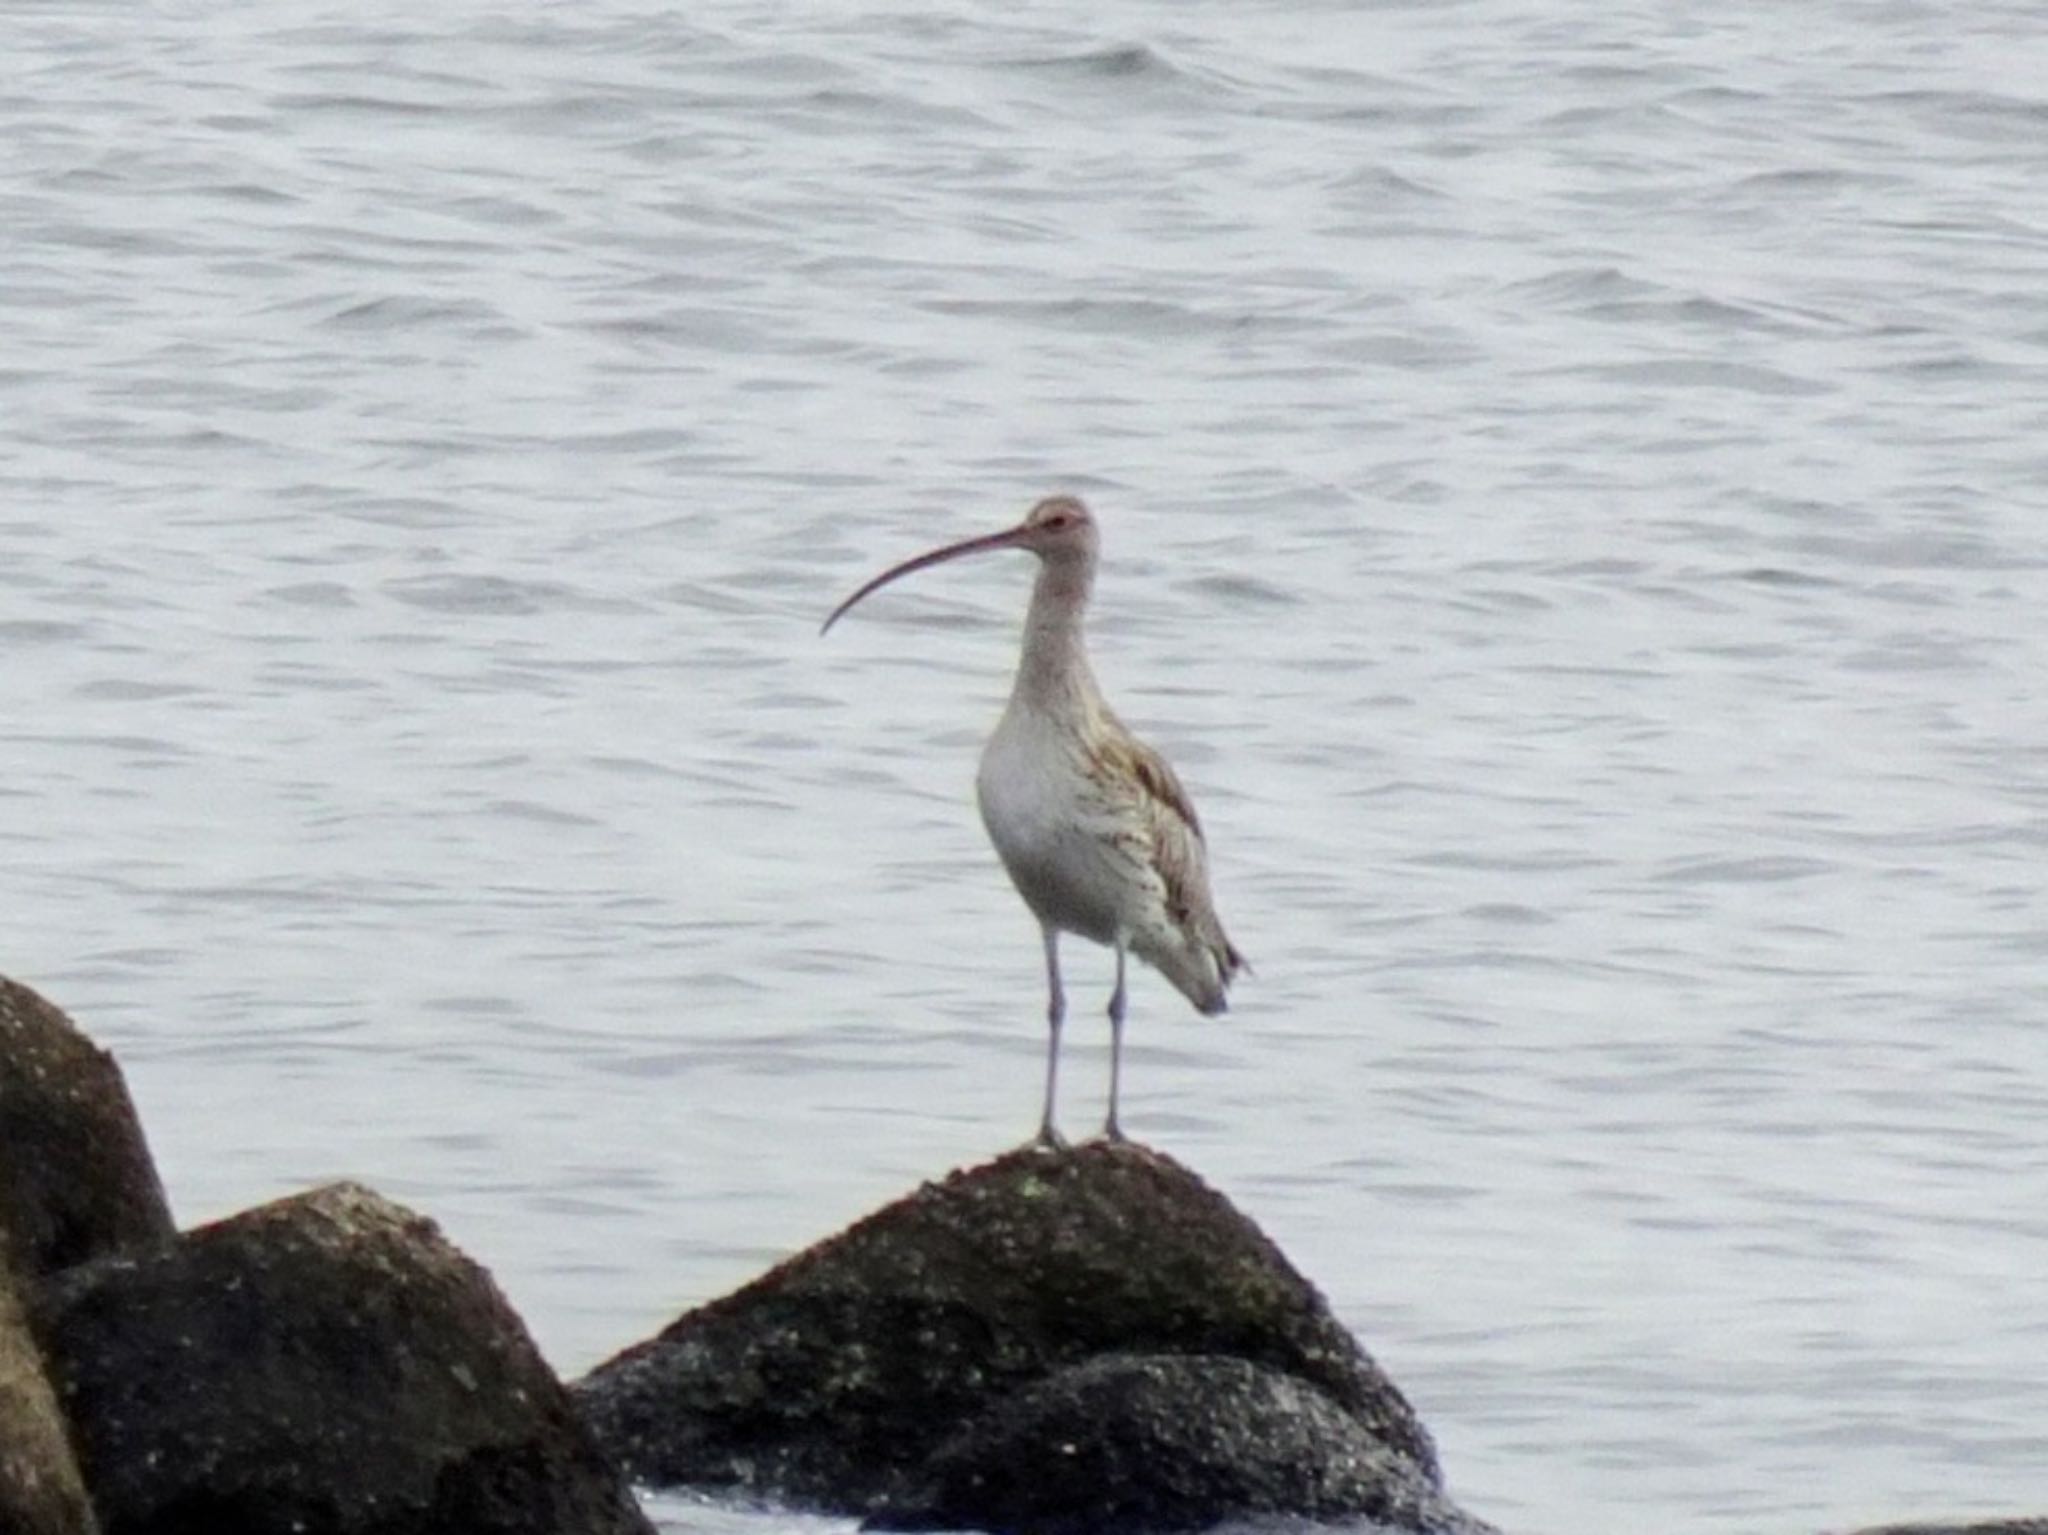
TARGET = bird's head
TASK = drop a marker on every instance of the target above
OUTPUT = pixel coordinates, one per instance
(1059, 530)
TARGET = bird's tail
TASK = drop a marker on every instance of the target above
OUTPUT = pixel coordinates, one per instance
(1201, 970)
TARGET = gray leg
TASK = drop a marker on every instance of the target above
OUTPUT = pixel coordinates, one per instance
(1111, 1130)
(1055, 1016)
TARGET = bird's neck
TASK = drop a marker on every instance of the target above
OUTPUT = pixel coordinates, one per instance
(1053, 672)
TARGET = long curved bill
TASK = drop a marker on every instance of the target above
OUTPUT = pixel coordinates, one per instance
(1008, 539)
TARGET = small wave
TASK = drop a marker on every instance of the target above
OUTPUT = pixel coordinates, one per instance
(477, 594)
(313, 594)
(1761, 870)
(1109, 63)
(286, 107)
(1973, 115)
(544, 815)
(1773, 575)
(1509, 914)
(40, 631)
(249, 192)
(1247, 590)
(139, 746)
(406, 311)
(133, 690)
(1378, 182)
(1124, 316)
(1705, 373)
(1807, 180)
(1142, 65)
(1700, 312)
(1577, 285)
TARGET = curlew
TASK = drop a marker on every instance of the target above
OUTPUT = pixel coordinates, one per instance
(1092, 824)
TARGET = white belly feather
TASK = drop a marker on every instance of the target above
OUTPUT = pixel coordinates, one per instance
(1060, 843)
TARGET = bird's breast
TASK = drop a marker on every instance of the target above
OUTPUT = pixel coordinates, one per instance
(1041, 813)
(1031, 784)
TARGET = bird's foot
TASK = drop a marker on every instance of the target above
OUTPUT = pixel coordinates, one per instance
(1113, 1133)
(1048, 1139)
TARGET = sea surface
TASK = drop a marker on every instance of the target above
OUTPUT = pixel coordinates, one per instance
(1574, 484)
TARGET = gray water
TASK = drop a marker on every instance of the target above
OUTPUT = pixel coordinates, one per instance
(1575, 487)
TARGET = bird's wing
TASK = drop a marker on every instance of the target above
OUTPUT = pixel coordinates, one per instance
(1155, 824)
(1169, 829)
(1121, 755)
(1135, 770)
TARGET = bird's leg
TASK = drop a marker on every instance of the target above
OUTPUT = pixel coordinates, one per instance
(1111, 1130)
(1055, 1016)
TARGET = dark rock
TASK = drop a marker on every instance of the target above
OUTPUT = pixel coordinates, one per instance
(76, 1179)
(829, 1381)
(1167, 1443)
(40, 1491)
(1966, 1527)
(328, 1365)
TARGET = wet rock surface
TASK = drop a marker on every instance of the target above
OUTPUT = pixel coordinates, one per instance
(1167, 1442)
(832, 1380)
(328, 1363)
(76, 1179)
(41, 1492)
(76, 1182)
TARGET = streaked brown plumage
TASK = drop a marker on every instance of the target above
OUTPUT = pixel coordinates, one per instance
(1166, 835)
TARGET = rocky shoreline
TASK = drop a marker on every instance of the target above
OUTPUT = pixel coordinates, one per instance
(1049, 1344)
(1050, 1341)
(327, 1362)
